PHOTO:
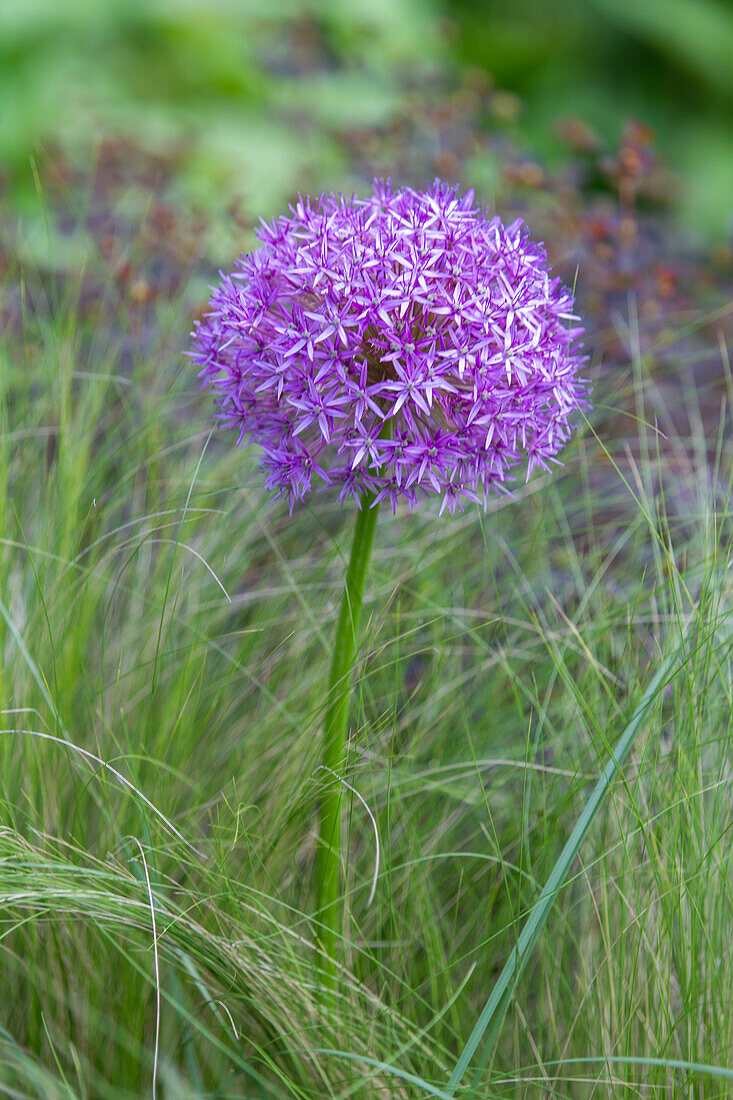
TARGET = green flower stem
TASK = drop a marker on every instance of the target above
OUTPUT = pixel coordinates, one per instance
(328, 865)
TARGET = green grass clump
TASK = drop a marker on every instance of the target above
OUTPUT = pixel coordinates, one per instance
(165, 636)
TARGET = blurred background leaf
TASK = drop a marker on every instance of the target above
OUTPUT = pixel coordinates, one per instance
(668, 64)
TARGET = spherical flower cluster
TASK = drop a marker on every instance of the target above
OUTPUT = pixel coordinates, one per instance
(399, 345)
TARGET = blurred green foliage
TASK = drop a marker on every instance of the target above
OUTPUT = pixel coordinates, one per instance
(247, 94)
(667, 63)
(250, 96)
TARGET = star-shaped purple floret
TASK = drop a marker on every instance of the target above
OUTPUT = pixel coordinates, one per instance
(402, 345)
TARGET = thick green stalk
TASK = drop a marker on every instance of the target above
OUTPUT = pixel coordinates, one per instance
(328, 865)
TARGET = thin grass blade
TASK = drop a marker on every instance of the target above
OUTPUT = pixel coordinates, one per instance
(493, 1013)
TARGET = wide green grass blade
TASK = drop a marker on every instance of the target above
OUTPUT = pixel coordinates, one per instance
(492, 1015)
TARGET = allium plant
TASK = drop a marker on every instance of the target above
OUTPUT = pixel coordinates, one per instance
(393, 348)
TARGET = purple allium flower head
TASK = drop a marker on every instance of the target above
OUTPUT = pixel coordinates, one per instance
(402, 345)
